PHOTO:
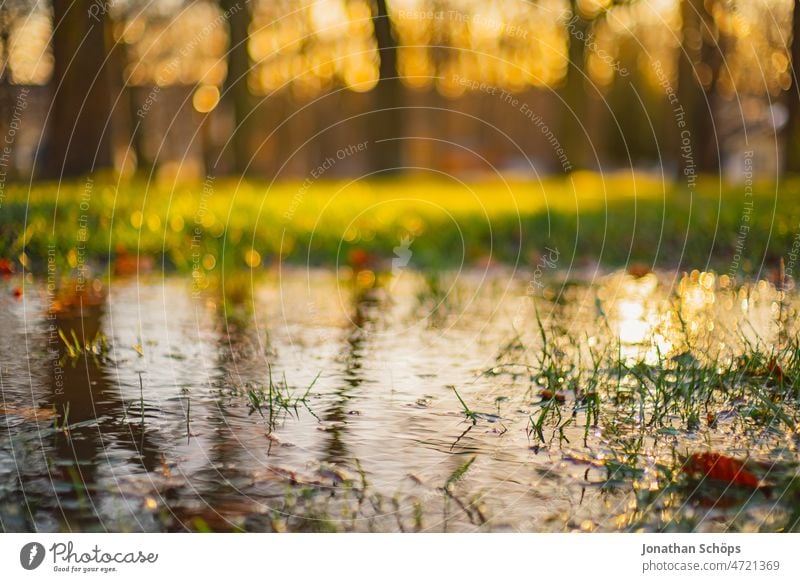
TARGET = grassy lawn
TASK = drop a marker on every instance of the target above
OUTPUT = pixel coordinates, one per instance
(612, 220)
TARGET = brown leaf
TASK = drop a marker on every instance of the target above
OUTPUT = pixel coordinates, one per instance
(550, 395)
(28, 412)
(638, 270)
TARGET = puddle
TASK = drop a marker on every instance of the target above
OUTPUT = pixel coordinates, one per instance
(413, 403)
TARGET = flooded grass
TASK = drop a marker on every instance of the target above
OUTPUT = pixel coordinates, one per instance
(446, 402)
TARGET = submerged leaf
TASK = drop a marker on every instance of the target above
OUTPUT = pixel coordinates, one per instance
(29, 413)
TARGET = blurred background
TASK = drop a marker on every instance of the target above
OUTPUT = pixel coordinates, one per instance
(271, 88)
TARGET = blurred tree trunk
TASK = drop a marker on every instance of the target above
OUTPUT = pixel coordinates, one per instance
(130, 97)
(698, 73)
(236, 90)
(572, 135)
(387, 121)
(792, 129)
(79, 139)
(145, 165)
(6, 18)
(120, 126)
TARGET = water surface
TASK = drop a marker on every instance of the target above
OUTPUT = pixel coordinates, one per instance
(164, 424)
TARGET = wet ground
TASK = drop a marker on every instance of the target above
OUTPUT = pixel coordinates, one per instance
(486, 400)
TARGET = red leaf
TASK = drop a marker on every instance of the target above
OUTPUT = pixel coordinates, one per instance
(775, 369)
(720, 468)
(6, 267)
(549, 395)
(359, 258)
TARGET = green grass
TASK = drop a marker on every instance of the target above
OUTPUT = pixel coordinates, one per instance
(195, 228)
(278, 398)
(644, 421)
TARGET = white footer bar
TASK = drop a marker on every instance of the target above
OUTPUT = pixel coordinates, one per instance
(331, 557)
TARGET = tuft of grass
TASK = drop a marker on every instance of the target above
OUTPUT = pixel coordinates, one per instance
(97, 347)
(458, 474)
(468, 412)
(279, 399)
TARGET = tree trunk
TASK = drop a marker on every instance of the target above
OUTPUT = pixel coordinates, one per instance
(5, 88)
(145, 165)
(572, 135)
(237, 93)
(698, 72)
(387, 121)
(80, 140)
(792, 129)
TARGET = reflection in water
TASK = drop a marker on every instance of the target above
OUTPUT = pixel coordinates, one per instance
(651, 324)
(155, 432)
(366, 304)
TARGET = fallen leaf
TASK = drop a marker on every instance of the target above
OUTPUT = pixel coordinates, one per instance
(359, 258)
(550, 395)
(126, 264)
(165, 467)
(720, 468)
(775, 369)
(6, 267)
(28, 412)
(638, 270)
